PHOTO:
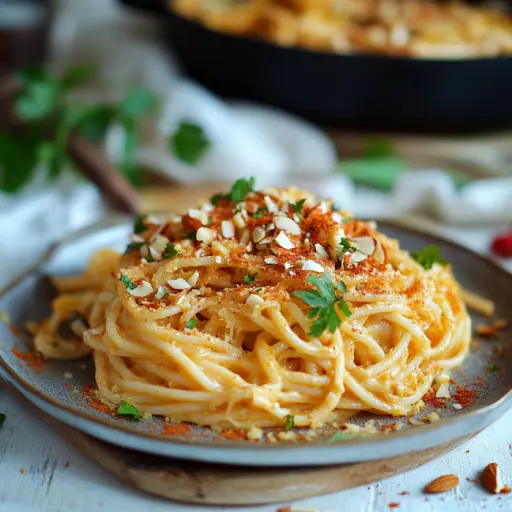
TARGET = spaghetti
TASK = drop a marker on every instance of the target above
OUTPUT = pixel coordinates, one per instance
(257, 307)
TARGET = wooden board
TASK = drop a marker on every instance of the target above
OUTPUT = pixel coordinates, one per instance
(214, 484)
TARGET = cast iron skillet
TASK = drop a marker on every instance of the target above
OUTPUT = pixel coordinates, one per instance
(370, 92)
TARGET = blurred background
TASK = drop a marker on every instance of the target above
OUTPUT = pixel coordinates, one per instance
(396, 108)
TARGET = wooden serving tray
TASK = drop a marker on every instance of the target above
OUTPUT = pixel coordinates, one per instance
(216, 484)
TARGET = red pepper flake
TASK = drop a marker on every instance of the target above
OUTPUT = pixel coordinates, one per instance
(502, 244)
(176, 430)
(93, 403)
(30, 358)
(505, 490)
(15, 331)
(233, 435)
(404, 493)
(394, 505)
(438, 403)
(464, 396)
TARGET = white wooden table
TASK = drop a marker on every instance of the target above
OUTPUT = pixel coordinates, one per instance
(39, 472)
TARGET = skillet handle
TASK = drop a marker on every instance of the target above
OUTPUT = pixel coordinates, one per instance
(149, 6)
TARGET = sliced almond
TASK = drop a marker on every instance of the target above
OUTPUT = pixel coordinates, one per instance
(358, 257)
(270, 261)
(313, 266)
(205, 235)
(179, 284)
(239, 220)
(266, 241)
(161, 292)
(443, 391)
(258, 234)
(287, 224)
(246, 237)
(136, 238)
(380, 255)
(492, 478)
(143, 289)
(228, 229)
(194, 214)
(442, 484)
(320, 250)
(364, 244)
(271, 206)
(192, 280)
(283, 241)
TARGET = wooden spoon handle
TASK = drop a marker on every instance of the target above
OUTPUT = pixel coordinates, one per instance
(116, 190)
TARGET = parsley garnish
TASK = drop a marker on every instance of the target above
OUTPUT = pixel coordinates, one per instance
(258, 290)
(427, 256)
(47, 105)
(191, 236)
(492, 367)
(249, 278)
(337, 436)
(126, 409)
(189, 143)
(241, 188)
(131, 247)
(378, 167)
(323, 304)
(216, 198)
(260, 213)
(191, 323)
(138, 225)
(290, 421)
(170, 251)
(2, 418)
(345, 245)
(297, 207)
(130, 285)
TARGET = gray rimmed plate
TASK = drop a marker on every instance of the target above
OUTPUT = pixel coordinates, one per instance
(29, 298)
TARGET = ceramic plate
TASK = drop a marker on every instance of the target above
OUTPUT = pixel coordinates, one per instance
(30, 298)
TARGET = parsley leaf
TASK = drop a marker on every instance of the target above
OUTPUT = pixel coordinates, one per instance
(170, 251)
(378, 167)
(46, 104)
(323, 302)
(189, 143)
(260, 213)
(241, 188)
(290, 421)
(130, 285)
(126, 409)
(217, 198)
(138, 225)
(492, 367)
(345, 245)
(337, 436)
(297, 207)
(131, 247)
(2, 418)
(191, 323)
(249, 278)
(428, 256)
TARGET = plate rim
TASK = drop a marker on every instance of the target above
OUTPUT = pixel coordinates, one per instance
(125, 427)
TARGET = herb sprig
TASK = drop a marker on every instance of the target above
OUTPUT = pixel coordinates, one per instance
(191, 323)
(170, 251)
(126, 409)
(250, 278)
(324, 303)
(239, 190)
(189, 143)
(289, 423)
(130, 285)
(45, 103)
(428, 256)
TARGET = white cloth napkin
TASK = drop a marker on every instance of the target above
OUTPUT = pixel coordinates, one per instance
(246, 140)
